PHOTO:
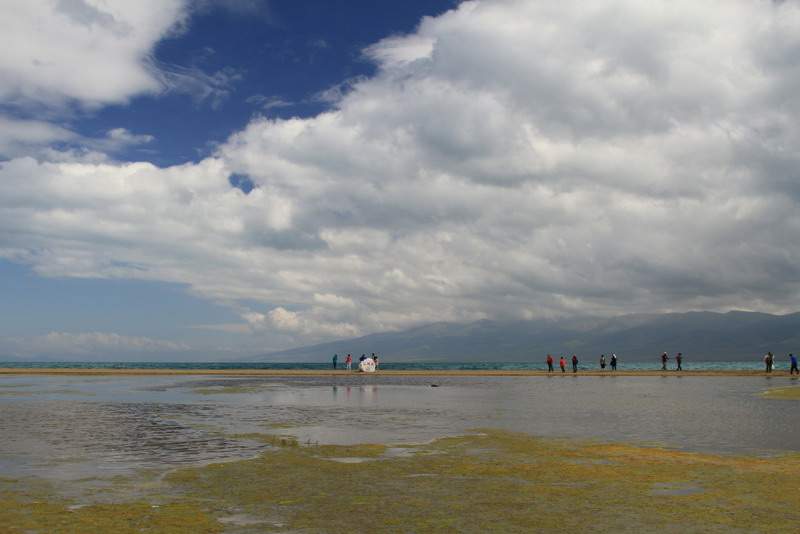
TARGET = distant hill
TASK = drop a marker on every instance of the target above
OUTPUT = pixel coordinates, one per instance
(701, 336)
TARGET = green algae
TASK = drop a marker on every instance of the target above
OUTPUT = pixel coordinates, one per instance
(488, 481)
(505, 482)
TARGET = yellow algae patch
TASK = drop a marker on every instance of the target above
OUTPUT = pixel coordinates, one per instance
(488, 481)
(33, 507)
(50, 392)
(506, 482)
(236, 389)
(788, 392)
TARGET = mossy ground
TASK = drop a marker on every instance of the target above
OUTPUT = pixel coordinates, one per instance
(489, 481)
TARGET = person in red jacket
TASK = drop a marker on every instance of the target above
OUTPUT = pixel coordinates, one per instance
(549, 363)
(563, 364)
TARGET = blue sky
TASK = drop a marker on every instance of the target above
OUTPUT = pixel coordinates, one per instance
(212, 180)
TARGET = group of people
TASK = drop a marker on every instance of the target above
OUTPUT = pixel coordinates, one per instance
(349, 361)
(769, 362)
(562, 363)
(678, 360)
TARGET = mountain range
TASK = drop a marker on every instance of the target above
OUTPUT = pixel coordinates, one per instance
(701, 336)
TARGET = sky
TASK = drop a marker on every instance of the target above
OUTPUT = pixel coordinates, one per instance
(212, 180)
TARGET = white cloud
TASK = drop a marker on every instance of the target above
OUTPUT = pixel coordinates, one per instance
(18, 136)
(90, 51)
(123, 136)
(396, 51)
(531, 159)
(62, 58)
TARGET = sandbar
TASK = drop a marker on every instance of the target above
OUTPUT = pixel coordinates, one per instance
(392, 372)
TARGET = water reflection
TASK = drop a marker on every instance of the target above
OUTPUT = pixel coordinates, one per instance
(355, 396)
(109, 424)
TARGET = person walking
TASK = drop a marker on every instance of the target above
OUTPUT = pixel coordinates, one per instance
(574, 364)
(664, 359)
(613, 362)
(602, 362)
(335, 359)
(563, 364)
(678, 360)
(549, 364)
(793, 359)
(349, 362)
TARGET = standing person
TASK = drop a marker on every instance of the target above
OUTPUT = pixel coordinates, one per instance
(563, 364)
(767, 363)
(602, 362)
(349, 362)
(664, 359)
(793, 359)
(335, 359)
(375, 359)
(574, 364)
(613, 362)
(549, 364)
(678, 360)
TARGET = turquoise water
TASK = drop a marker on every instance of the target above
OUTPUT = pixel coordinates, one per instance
(688, 365)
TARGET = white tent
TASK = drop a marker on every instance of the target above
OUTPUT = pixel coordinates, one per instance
(367, 365)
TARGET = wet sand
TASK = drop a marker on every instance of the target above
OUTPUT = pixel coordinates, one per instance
(393, 372)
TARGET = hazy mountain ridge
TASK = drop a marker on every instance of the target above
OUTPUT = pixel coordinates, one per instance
(707, 336)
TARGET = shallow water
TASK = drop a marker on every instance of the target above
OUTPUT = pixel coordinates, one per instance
(68, 427)
(689, 364)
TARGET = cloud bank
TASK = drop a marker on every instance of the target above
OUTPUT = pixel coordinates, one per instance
(510, 159)
(90, 344)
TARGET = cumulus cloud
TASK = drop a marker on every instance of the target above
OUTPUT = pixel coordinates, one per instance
(510, 159)
(83, 51)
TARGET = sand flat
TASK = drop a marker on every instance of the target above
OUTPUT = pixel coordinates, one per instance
(394, 372)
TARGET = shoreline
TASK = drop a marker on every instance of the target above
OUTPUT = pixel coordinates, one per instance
(397, 372)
